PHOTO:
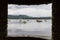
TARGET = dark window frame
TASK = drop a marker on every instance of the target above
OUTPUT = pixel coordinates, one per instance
(55, 20)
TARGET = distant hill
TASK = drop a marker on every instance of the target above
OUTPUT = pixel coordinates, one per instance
(18, 16)
(26, 17)
(13, 17)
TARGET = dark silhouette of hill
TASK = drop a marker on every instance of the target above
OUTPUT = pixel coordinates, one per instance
(18, 16)
(26, 17)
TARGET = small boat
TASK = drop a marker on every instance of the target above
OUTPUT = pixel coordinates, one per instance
(38, 21)
(24, 22)
(45, 20)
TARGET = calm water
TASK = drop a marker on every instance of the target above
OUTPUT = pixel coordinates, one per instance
(17, 28)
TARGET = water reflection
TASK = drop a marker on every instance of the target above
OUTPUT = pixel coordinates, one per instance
(31, 27)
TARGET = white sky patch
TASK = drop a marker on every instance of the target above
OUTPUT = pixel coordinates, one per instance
(31, 10)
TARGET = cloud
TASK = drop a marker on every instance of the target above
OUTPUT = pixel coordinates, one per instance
(32, 10)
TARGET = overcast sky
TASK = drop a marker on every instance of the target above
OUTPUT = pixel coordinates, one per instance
(44, 10)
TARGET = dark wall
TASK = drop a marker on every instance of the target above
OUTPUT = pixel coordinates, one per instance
(3, 19)
(24, 38)
(29, 2)
(56, 20)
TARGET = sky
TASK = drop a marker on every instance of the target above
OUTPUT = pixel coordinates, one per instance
(44, 10)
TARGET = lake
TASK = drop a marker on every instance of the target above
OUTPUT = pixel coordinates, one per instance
(31, 28)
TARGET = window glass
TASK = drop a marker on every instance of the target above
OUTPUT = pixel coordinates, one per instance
(30, 20)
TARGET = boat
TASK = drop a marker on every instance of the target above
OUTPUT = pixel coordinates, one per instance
(38, 21)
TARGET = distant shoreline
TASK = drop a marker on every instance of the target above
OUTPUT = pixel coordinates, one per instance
(26, 17)
(29, 18)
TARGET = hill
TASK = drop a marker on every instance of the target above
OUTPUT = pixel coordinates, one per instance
(26, 17)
